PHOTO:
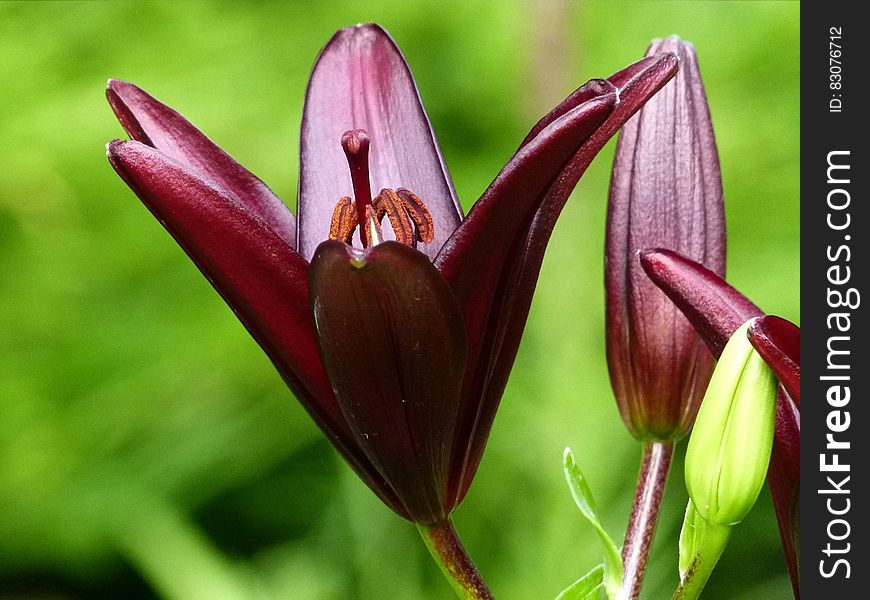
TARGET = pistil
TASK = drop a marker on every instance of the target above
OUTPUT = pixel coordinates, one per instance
(356, 148)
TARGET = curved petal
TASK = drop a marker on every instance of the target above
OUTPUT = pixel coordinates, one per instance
(393, 343)
(665, 191)
(779, 343)
(586, 92)
(153, 123)
(473, 258)
(361, 81)
(261, 278)
(634, 72)
(493, 260)
(713, 307)
(783, 478)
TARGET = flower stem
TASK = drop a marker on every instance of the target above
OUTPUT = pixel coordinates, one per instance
(447, 550)
(644, 515)
(714, 541)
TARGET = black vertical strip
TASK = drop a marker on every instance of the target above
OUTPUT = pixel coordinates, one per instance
(835, 227)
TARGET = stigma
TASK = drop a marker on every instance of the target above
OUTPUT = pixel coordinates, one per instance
(408, 215)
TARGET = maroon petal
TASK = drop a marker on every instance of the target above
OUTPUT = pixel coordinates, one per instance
(393, 343)
(783, 479)
(590, 90)
(153, 123)
(494, 258)
(637, 71)
(257, 273)
(779, 343)
(361, 81)
(714, 308)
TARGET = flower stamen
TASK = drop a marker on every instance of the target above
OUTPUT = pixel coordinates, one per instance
(389, 203)
(343, 220)
(419, 214)
(409, 217)
(344, 223)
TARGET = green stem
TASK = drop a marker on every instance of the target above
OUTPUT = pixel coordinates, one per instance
(715, 538)
(448, 551)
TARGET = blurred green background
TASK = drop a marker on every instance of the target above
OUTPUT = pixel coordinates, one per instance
(148, 448)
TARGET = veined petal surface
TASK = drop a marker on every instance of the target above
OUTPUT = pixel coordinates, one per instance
(494, 259)
(151, 122)
(361, 81)
(393, 343)
(665, 191)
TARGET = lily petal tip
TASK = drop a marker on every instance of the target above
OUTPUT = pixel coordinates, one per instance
(112, 147)
(671, 44)
(651, 257)
(116, 87)
(671, 39)
(365, 26)
(669, 58)
(361, 31)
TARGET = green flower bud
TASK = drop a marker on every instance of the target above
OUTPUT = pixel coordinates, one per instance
(729, 450)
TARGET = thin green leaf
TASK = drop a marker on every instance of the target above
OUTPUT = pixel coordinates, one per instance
(586, 503)
(585, 588)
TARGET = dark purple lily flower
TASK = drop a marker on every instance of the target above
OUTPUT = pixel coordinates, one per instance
(407, 354)
(716, 310)
(665, 191)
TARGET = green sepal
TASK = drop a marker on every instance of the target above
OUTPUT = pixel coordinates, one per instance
(690, 538)
(701, 544)
(586, 503)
